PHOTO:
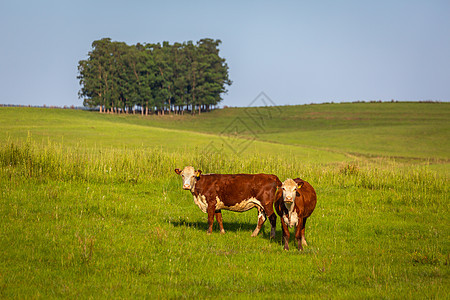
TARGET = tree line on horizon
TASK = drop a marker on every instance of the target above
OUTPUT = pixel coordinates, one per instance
(153, 78)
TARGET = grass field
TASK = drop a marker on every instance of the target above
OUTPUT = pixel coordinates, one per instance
(91, 206)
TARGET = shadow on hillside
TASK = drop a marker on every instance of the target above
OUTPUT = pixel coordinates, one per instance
(231, 227)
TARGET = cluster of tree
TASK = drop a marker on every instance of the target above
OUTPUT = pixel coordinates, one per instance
(153, 78)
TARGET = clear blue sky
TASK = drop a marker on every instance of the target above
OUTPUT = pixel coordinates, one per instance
(295, 51)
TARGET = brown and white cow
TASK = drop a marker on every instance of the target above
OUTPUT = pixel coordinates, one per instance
(235, 192)
(294, 207)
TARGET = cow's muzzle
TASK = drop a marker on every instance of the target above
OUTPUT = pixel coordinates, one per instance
(288, 200)
(186, 186)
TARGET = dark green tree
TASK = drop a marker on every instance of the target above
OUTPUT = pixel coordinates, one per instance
(151, 78)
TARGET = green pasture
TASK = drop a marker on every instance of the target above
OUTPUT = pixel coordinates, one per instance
(91, 206)
(408, 130)
(99, 131)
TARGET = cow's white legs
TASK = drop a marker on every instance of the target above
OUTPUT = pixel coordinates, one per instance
(286, 234)
(304, 243)
(300, 234)
(220, 221)
(261, 219)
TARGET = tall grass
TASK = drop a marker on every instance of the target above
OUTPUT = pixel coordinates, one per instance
(48, 161)
(83, 222)
(51, 161)
(90, 206)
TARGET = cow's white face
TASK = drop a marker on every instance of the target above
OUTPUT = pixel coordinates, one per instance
(189, 176)
(289, 190)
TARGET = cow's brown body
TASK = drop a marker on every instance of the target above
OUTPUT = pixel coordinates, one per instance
(235, 192)
(296, 216)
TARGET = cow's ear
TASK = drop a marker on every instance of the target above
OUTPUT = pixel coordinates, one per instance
(299, 186)
(197, 174)
(178, 171)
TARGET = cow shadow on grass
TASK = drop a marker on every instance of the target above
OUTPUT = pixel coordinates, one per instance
(230, 227)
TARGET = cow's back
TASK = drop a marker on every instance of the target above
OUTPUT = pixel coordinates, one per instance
(232, 189)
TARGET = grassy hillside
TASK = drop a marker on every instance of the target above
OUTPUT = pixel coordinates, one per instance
(388, 129)
(404, 130)
(97, 131)
(91, 207)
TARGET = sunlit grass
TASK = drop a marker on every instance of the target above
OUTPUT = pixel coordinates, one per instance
(121, 222)
(103, 215)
